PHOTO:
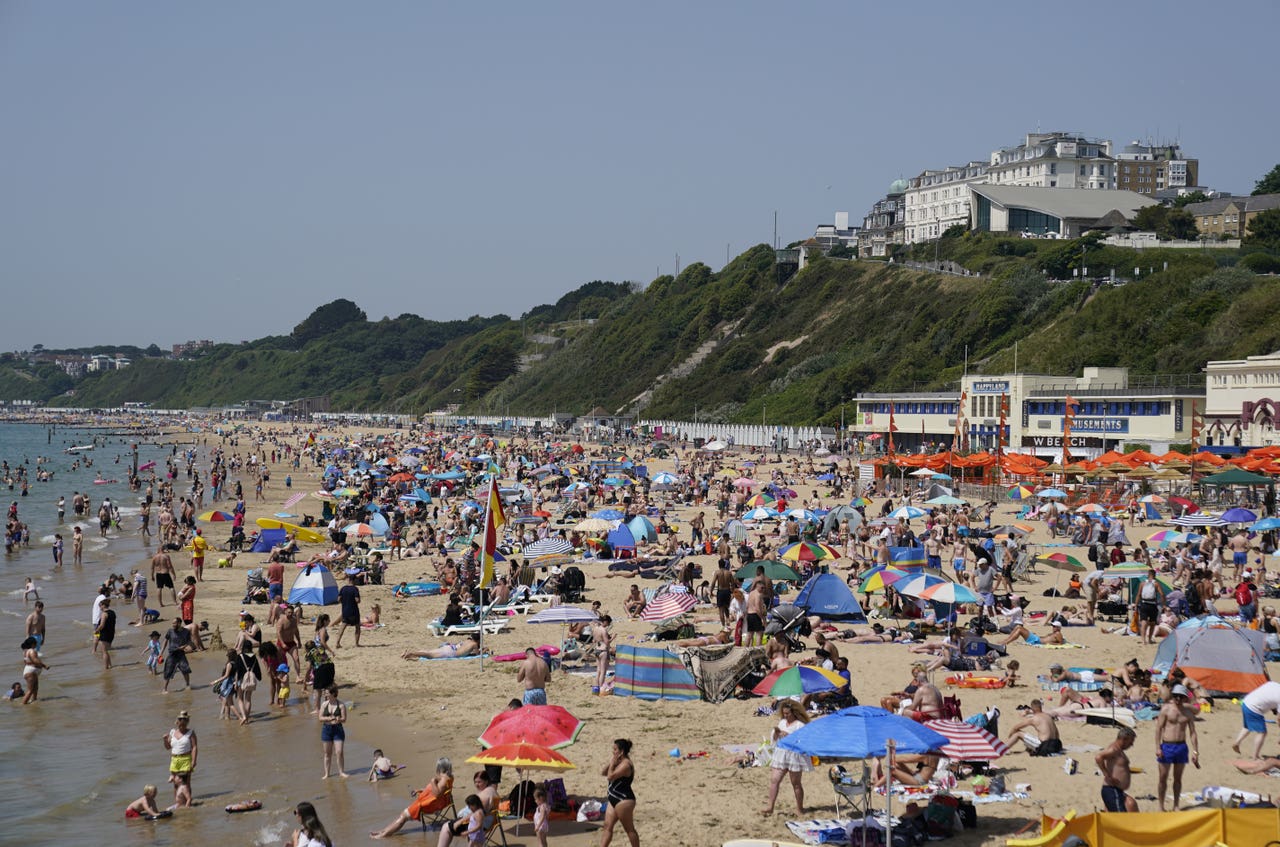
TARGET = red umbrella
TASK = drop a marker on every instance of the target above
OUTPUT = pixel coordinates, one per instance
(401, 477)
(669, 605)
(545, 726)
(1186, 504)
(966, 742)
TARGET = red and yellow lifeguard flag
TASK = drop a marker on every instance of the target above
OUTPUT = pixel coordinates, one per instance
(494, 520)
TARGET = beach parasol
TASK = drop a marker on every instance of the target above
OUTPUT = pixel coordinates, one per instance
(1199, 519)
(594, 525)
(880, 578)
(915, 586)
(862, 502)
(671, 604)
(772, 570)
(1151, 498)
(948, 592)
(1171, 536)
(907, 513)
(217, 517)
(608, 515)
(1021, 492)
(359, 529)
(760, 513)
(1052, 493)
(1062, 562)
(745, 482)
(1238, 515)
(1266, 525)
(552, 727)
(755, 501)
(1092, 509)
(861, 732)
(562, 614)
(808, 551)
(547, 547)
(966, 742)
(945, 500)
(798, 680)
(523, 755)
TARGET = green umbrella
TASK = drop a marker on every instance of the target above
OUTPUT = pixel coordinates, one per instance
(772, 570)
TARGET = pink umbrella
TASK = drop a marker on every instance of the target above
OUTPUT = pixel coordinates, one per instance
(966, 742)
(669, 605)
(745, 482)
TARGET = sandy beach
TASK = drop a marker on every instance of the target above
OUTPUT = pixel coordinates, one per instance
(418, 710)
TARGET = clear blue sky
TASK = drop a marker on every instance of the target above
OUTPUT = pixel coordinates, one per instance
(174, 171)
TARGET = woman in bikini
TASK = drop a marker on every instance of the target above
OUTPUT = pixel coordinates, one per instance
(470, 647)
(32, 665)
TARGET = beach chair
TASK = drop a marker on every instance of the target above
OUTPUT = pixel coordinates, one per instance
(854, 791)
(489, 627)
(951, 708)
(495, 835)
(439, 813)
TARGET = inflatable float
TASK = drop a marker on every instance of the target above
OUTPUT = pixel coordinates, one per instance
(419, 589)
(544, 650)
(244, 806)
(969, 680)
(105, 481)
(148, 466)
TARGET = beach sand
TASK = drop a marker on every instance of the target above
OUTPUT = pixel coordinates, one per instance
(418, 710)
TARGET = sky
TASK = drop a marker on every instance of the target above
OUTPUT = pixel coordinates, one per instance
(179, 171)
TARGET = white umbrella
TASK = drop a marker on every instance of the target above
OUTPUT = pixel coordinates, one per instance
(562, 614)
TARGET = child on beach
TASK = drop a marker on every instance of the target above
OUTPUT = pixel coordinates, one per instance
(475, 820)
(144, 805)
(16, 692)
(225, 686)
(30, 593)
(541, 816)
(152, 652)
(281, 674)
(382, 767)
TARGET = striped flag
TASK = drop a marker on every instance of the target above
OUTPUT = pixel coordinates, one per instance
(494, 520)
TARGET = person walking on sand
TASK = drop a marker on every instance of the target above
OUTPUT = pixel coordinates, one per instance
(534, 673)
(1113, 761)
(1253, 709)
(181, 744)
(788, 762)
(198, 548)
(603, 640)
(620, 772)
(1175, 726)
(349, 597)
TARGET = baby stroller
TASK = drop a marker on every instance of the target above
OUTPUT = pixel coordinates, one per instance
(571, 585)
(255, 587)
(788, 624)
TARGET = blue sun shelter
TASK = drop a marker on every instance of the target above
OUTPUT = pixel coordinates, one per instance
(314, 586)
(827, 596)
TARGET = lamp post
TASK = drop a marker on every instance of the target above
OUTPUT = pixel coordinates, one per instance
(842, 438)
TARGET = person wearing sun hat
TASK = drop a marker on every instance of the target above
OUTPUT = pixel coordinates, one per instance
(1175, 727)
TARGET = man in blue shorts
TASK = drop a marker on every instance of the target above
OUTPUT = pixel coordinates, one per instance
(1175, 727)
(1113, 761)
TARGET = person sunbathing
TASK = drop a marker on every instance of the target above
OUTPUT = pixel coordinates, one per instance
(1072, 702)
(721, 637)
(470, 647)
(1256, 766)
(909, 770)
(634, 604)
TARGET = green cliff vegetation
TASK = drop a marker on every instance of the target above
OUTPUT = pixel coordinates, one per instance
(747, 343)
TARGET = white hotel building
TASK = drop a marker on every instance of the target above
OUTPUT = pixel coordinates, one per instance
(1114, 410)
(1242, 402)
(937, 199)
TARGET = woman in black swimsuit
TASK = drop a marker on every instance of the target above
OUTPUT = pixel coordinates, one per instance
(622, 800)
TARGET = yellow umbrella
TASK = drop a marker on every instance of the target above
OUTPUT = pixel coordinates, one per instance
(522, 754)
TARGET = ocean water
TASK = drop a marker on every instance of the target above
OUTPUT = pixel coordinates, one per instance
(71, 762)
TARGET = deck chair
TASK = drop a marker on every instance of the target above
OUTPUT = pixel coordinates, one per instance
(951, 708)
(495, 835)
(439, 813)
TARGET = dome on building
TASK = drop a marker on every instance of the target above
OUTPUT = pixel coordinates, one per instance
(898, 186)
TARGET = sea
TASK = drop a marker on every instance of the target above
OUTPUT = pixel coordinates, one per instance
(71, 762)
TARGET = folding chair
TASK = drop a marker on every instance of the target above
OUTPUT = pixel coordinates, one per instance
(855, 792)
(495, 835)
(951, 708)
(444, 813)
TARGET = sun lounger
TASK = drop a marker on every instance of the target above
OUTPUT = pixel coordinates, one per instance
(490, 628)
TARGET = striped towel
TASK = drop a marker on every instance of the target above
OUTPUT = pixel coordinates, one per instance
(820, 831)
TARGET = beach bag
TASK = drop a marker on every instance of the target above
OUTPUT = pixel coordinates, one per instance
(225, 688)
(941, 815)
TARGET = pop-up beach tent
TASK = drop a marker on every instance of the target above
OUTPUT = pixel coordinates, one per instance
(827, 596)
(649, 673)
(314, 586)
(622, 542)
(1223, 659)
(268, 540)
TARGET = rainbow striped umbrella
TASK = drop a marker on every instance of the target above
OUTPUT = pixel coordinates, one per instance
(1062, 562)
(755, 501)
(879, 578)
(808, 551)
(860, 501)
(798, 680)
(1021, 492)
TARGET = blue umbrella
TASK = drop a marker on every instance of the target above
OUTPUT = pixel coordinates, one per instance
(284, 515)
(825, 477)
(861, 732)
(1266, 524)
(1239, 515)
(1053, 493)
(609, 515)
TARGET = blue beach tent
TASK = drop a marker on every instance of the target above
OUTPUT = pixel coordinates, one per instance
(268, 539)
(827, 596)
(315, 586)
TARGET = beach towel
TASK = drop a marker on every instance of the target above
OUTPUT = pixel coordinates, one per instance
(820, 831)
(448, 658)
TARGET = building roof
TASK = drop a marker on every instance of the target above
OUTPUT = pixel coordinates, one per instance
(1245, 203)
(1080, 203)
